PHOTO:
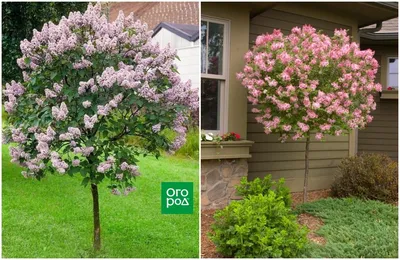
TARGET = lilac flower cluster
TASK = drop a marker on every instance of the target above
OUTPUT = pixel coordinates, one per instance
(89, 121)
(85, 151)
(75, 117)
(107, 165)
(60, 113)
(106, 109)
(132, 169)
(12, 91)
(57, 163)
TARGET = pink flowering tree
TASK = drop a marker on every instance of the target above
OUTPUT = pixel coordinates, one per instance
(308, 82)
(88, 85)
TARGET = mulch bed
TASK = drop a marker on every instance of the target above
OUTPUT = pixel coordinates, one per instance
(208, 249)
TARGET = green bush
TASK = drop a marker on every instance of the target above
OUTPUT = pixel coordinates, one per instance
(263, 186)
(258, 226)
(189, 149)
(368, 176)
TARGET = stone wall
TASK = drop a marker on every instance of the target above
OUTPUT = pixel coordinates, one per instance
(218, 181)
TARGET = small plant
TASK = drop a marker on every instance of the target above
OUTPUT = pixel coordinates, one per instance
(368, 176)
(258, 226)
(230, 136)
(263, 186)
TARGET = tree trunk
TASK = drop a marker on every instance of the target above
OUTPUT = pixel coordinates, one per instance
(306, 169)
(96, 218)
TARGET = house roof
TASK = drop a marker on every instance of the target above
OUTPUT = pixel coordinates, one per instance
(187, 31)
(388, 26)
(366, 13)
(388, 34)
(153, 13)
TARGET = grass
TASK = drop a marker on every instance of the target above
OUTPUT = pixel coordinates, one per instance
(53, 218)
(354, 228)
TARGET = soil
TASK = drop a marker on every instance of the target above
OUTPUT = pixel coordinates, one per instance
(208, 249)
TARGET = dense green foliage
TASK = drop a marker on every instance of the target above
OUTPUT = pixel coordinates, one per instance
(354, 228)
(260, 225)
(191, 147)
(368, 176)
(189, 150)
(44, 221)
(19, 20)
(263, 186)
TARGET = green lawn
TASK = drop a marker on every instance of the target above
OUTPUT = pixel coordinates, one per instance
(53, 218)
(354, 228)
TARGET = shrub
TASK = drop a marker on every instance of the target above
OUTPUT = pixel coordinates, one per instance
(368, 176)
(191, 146)
(263, 186)
(258, 226)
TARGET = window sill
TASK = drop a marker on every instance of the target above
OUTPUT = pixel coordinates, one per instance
(389, 94)
(226, 150)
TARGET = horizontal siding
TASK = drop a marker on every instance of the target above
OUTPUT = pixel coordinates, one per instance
(381, 135)
(269, 155)
(318, 178)
(274, 19)
(189, 65)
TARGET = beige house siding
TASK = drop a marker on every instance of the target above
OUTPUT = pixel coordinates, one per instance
(381, 135)
(269, 156)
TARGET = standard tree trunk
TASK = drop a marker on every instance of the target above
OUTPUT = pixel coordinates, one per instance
(96, 218)
(306, 169)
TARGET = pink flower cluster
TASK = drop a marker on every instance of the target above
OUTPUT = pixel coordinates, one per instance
(307, 81)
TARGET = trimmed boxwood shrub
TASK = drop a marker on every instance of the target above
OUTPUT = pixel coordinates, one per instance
(260, 225)
(263, 186)
(368, 176)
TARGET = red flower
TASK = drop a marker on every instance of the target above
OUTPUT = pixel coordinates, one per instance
(237, 136)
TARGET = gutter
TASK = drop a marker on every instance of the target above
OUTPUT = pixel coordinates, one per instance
(370, 33)
(371, 30)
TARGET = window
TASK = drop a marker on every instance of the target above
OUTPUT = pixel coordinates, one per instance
(214, 74)
(393, 73)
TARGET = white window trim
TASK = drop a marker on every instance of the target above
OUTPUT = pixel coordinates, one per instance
(388, 94)
(388, 71)
(224, 77)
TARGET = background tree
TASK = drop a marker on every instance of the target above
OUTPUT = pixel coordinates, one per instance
(307, 81)
(19, 19)
(88, 85)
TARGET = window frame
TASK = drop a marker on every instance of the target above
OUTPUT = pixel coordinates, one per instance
(223, 77)
(388, 73)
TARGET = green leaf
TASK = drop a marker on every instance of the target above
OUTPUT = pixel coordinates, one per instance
(85, 181)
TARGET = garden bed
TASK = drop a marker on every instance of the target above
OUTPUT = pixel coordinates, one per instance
(339, 228)
(208, 249)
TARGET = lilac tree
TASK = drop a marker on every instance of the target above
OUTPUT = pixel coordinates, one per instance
(308, 82)
(88, 85)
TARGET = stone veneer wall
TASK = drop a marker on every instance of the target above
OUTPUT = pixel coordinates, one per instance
(218, 181)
